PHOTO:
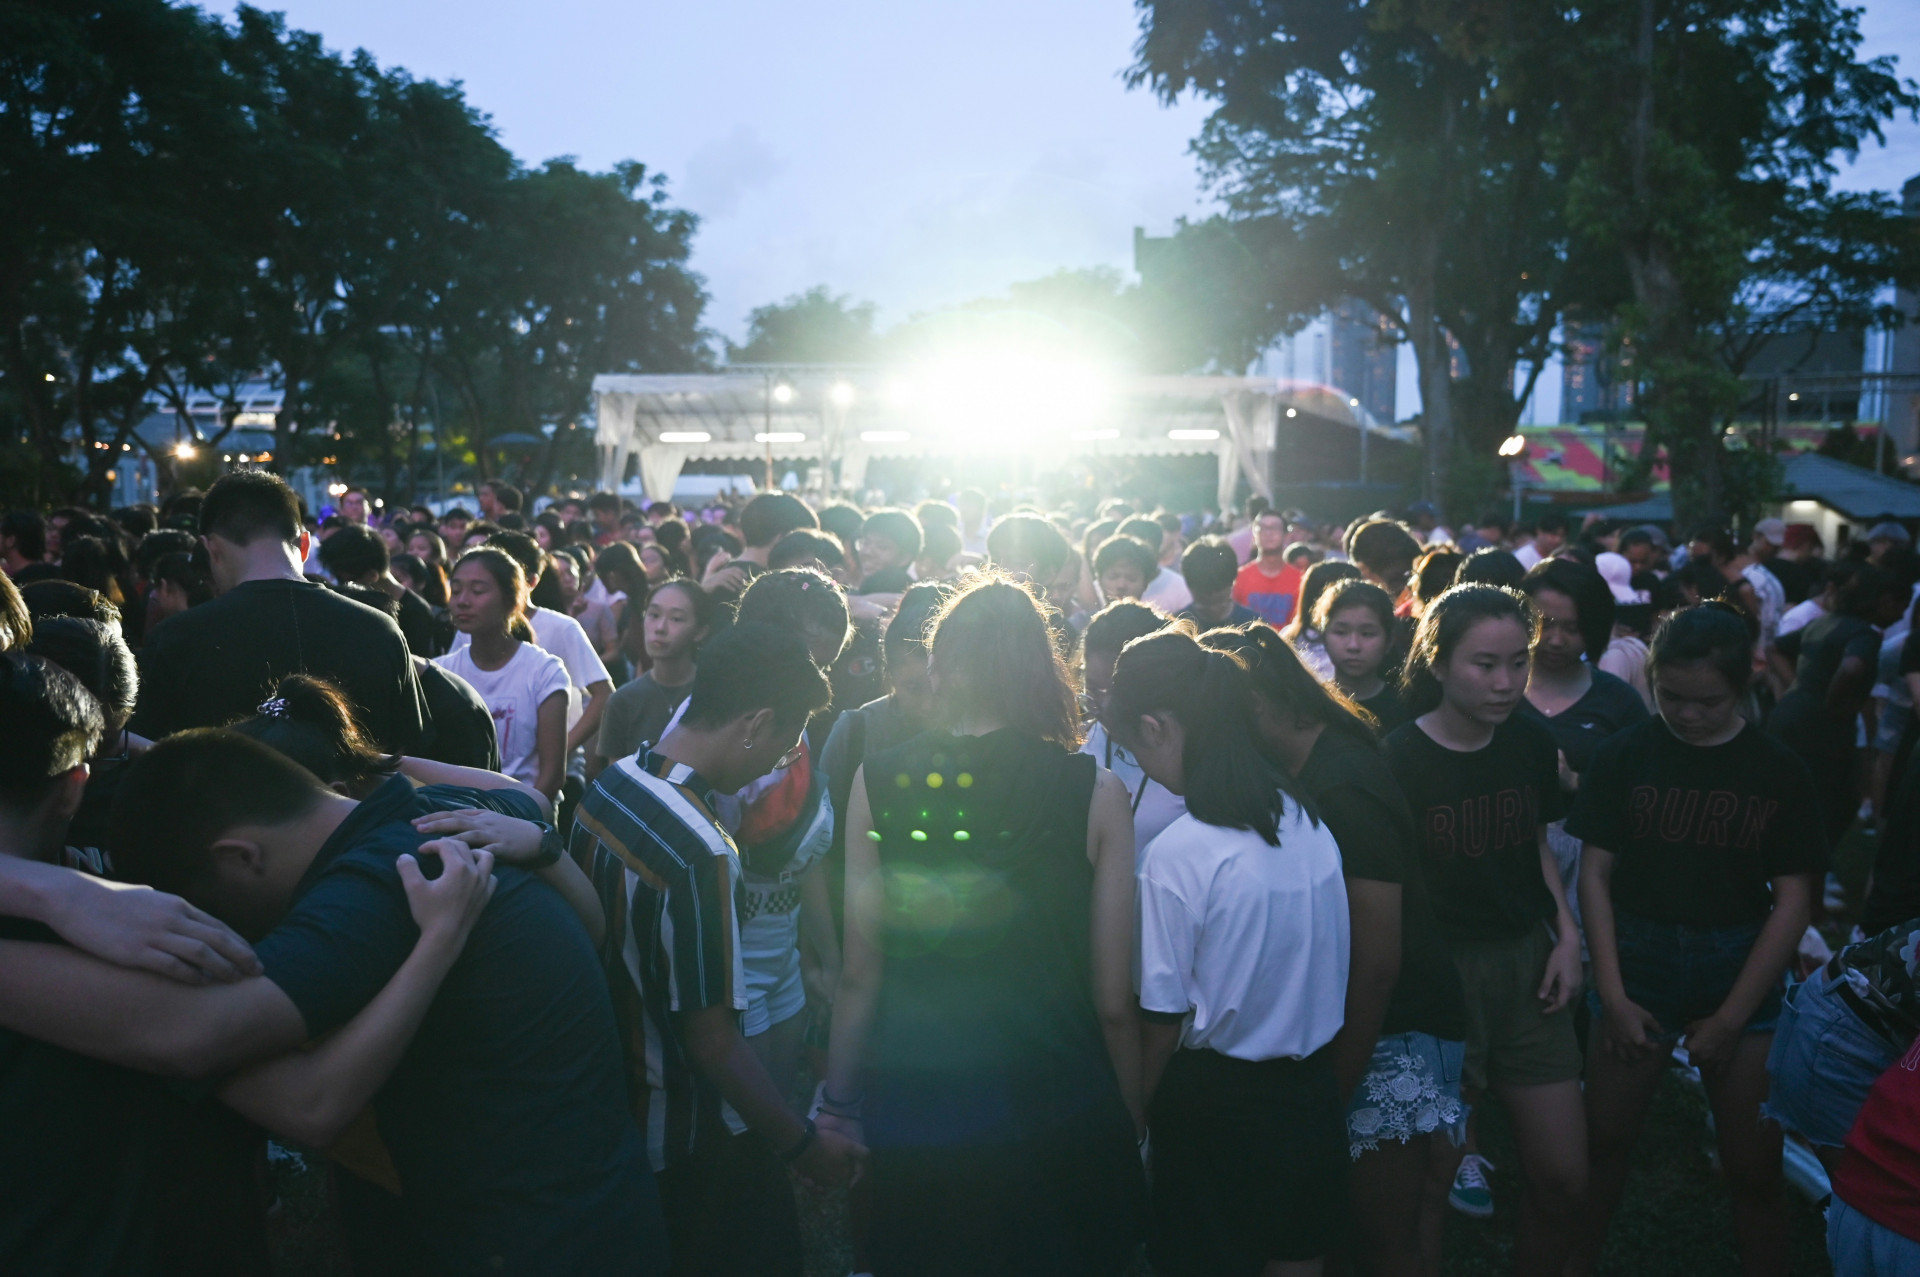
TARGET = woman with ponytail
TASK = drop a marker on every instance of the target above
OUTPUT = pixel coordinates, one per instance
(1243, 976)
(985, 1035)
(1397, 1055)
(524, 687)
(1483, 782)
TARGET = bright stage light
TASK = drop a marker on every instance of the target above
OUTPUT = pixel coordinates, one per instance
(1193, 435)
(842, 394)
(1094, 436)
(884, 436)
(780, 436)
(1005, 396)
(684, 436)
(1513, 445)
(783, 393)
(183, 450)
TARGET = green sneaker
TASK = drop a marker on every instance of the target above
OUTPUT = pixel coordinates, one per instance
(1471, 1194)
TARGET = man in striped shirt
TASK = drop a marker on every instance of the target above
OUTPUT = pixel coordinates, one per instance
(719, 1132)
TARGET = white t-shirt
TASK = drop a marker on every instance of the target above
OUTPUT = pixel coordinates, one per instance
(514, 693)
(1248, 940)
(1772, 597)
(1527, 555)
(1799, 617)
(1154, 805)
(563, 636)
(1167, 591)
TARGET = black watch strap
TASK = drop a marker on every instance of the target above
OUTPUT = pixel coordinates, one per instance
(552, 845)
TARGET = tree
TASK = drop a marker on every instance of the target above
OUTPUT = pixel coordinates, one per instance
(814, 327)
(187, 205)
(116, 253)
(1398, 154)
(1705, 134)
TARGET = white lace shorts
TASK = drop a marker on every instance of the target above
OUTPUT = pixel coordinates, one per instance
(1412, 1087)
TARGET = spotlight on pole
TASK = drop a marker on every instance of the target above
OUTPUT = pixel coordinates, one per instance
(1513, 445)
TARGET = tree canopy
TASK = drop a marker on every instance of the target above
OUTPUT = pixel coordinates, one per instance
(1481, 172)
(189, 204)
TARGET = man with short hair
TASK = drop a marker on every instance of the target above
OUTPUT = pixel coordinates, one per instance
(453, 528)
(603, 512)
(498, 497)
(767, 518)
(357, 555)
(355, 506)
(888, 544)
(23, 541)
(1549, 534)
(506, 1116)
(219, 661)
(1269, 585)
(719, 1131)
(1166, 589)
(1210, 566)
(1241, 538)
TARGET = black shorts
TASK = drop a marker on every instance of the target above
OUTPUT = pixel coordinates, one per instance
(1249, 1164)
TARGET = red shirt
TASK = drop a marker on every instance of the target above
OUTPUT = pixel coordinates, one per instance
(1879, 1171)
(1272, 596)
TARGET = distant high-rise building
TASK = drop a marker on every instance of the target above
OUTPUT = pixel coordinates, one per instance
(1902, 407)
(1595, 384)
(1365, 358)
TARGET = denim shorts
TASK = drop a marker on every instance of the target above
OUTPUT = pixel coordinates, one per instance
(1823, 1062)
(1680, 973)
(1859, 1247)
(1412, 1087)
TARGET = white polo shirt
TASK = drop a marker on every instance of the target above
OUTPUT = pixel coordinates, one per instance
(1249, 941)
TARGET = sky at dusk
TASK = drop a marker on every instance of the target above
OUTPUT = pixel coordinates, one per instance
(912, 154)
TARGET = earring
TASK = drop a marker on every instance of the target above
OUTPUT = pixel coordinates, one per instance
(746, 744)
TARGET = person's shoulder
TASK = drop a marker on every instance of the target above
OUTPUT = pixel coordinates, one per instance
(1406, 738)
(1527, 732)
(634, 811)
(559, 623)
(1633, 740)
(508, 802)
(1619, 695)
(634, 690)
(539, 658)
(1764, 749)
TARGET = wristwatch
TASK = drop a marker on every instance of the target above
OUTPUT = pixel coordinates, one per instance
(552, 846)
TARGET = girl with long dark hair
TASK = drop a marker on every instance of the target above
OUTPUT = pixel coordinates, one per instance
(1357, 627)
(1243, 977)
(985, 1036)
(1483, 783)
(524, 686)
(1110, 630)
(1303, 631)
(1702, 847)
(1397, 1055)
(1578, 703)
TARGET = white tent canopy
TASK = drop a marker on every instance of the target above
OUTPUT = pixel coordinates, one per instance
(849, 415)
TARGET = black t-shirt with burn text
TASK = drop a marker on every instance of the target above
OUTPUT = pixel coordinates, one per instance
(1357, 798)
(1477, 817)
(1697, 831)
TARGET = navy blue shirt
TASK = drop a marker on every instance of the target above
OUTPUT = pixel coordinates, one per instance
(507, 1119)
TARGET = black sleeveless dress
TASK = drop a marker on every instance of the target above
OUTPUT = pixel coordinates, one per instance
(1000, 1142)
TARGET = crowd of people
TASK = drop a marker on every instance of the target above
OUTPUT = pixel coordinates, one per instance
(583, 882)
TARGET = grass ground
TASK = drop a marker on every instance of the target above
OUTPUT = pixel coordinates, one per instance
(1674, 1222)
